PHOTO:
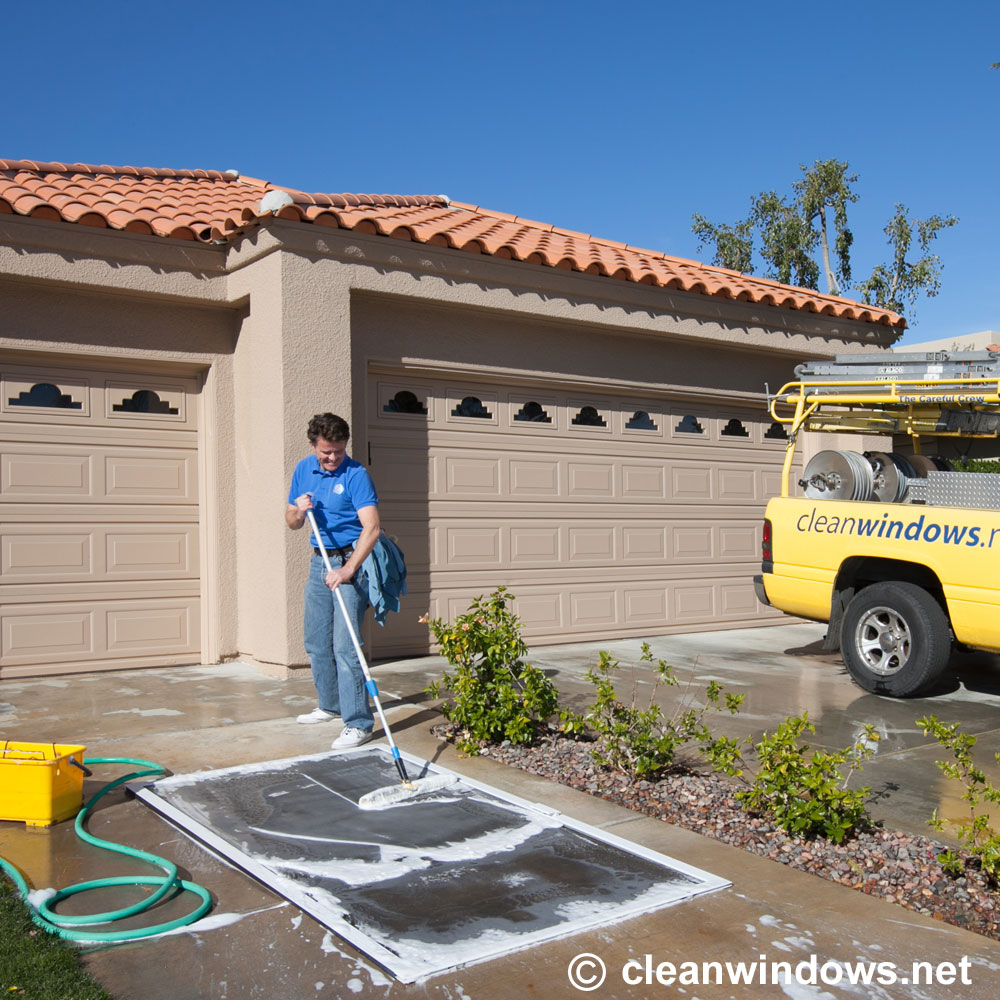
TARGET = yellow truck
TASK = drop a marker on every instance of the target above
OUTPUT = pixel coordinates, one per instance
(897, 550)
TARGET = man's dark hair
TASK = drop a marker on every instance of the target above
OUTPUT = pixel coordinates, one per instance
(328, 426)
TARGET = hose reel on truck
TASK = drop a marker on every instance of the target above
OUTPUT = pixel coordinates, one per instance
(887, 580)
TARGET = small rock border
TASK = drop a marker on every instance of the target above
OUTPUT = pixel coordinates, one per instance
(897, 867)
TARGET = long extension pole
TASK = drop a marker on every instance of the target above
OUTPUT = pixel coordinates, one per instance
(370, 684)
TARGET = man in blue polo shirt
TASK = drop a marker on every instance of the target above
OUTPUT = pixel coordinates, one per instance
(342, 496)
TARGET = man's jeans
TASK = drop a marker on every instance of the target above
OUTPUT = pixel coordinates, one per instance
(336, 670)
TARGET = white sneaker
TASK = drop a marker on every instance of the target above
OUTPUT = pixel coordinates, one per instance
(316, 715)
(351, 737)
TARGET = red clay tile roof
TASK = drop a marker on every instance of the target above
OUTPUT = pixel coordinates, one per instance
(210, 206)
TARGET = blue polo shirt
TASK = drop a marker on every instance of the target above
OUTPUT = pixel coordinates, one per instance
(337, 497)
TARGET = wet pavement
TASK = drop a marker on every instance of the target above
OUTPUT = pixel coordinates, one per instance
(256, 944)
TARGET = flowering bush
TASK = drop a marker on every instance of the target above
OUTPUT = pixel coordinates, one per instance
(495, 695)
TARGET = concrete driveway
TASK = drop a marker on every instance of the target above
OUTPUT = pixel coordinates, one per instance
(255, 944)
(782, 670)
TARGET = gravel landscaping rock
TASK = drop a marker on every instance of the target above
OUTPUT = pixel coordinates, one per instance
(898, 867)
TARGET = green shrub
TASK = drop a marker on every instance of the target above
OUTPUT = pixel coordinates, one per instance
(495, 695)
(642, 742)
(979, 838)
(806, 795)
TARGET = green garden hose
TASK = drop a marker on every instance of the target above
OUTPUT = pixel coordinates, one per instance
(168, 884)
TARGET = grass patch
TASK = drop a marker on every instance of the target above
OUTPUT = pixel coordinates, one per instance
(37, 965)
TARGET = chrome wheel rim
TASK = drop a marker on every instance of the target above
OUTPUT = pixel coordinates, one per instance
(883, 641)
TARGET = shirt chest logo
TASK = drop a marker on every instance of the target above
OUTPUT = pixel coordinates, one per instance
(338, 488)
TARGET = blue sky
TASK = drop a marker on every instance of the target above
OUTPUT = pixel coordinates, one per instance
(619, 120)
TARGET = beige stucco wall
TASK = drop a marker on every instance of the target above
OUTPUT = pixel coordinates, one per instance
(284, 322)
(426, 335)
(292, 360)
(64, 320)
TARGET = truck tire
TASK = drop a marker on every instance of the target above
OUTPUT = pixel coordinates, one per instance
(895, 639)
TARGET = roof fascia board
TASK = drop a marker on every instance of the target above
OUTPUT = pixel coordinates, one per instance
(108, 260)
(113, 244)
(440, 275)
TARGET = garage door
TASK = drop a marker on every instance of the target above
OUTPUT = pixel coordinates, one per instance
(99, 504)
(606, 514)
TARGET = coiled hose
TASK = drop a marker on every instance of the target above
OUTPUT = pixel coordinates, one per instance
(66, 926)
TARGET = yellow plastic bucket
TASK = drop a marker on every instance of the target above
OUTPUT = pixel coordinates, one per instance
(40, 783)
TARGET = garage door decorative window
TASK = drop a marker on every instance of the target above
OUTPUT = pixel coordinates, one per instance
(735, 428)
(589, 417)
(144, 401)
(45, 394)
(689, 425)
(405, 402)
(776, 432)
(472, 406)
(534, 412)
(641, 421)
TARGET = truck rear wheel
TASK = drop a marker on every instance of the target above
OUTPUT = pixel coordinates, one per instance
(895, 639)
